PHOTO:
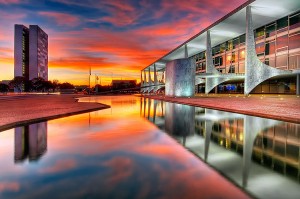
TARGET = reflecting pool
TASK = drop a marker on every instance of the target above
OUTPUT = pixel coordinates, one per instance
(118, 153)
(260, 155)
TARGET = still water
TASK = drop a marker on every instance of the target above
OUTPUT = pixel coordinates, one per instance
(141, 148)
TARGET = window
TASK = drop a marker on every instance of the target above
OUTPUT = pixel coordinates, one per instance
(241, 67)
(235, 42)
(294, 21)
(242, 54)
(282, 23)
(282, 42)
(229, 45)
(228, 59)
(260, 48)
(270, 48)
(281, 61)
(242, 39)
(294, 61)
(294, 41)
(222, 47)
(270, 30)
(260, 32)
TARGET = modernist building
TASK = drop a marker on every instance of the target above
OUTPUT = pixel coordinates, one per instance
(253, 49)
(30, 141)
(30, 52)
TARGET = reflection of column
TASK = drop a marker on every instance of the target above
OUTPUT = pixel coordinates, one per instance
(149, 106)
(154, 111)
(208, 130)
(180, 119)
(162, 108)
(252, 127)
(141, 106)
(142, 83)
(30, 141)
(144, 107)
(298, 85)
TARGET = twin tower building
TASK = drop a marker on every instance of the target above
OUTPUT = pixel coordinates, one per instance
(30, 52)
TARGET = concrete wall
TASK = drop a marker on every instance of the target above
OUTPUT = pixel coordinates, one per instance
(38, 53)
(180, 77)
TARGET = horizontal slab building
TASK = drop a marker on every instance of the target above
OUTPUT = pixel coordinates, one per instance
(253, 49)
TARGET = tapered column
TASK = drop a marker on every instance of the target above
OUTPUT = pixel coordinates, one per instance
(145, 80)
(142, 83)
(211, 82)
(155, 75)
(210, 68)
(256, 71)
(186, 53)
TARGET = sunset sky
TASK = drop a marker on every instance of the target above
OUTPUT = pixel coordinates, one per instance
(117, 38)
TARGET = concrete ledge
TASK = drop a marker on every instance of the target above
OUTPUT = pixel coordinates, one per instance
(284, 108)
(20, 110)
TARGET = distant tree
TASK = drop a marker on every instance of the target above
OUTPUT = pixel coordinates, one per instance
(47, 85)
(18, 83)
(66, 85)
(4, 88)
(55, 84)
(38, 83)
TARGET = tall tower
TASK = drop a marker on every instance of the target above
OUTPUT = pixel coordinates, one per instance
(31, 52)
(21, 49)
(38, 53)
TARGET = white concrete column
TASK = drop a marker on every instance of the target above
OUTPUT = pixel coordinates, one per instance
(186, 54)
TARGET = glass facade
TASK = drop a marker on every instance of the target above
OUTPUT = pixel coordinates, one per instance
(277, 45)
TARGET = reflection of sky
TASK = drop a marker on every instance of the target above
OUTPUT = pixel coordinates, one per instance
(117, 154)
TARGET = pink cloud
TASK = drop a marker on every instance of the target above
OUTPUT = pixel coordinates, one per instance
(9, 1)
(62, 19)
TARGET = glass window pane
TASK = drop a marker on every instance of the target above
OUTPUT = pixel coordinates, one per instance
(295, 21)
(260, 32)
(270, 30)
(242, 54)
(260, 48)
(282, 41)
(242, 38)
(294, 61)
(281, 61)
(270, 48)
(241, 67)
(294, 41)
(282, 23)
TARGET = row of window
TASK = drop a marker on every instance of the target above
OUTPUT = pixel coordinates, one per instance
(280, 51)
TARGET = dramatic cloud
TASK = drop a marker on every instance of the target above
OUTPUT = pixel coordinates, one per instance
(119, 37)
(62, 19)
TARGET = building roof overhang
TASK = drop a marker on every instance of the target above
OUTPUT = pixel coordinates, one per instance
(230, 26)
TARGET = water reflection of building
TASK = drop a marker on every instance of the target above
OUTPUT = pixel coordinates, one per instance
(277, 147)
(179, 119)
(30, 141)
(271, 143)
